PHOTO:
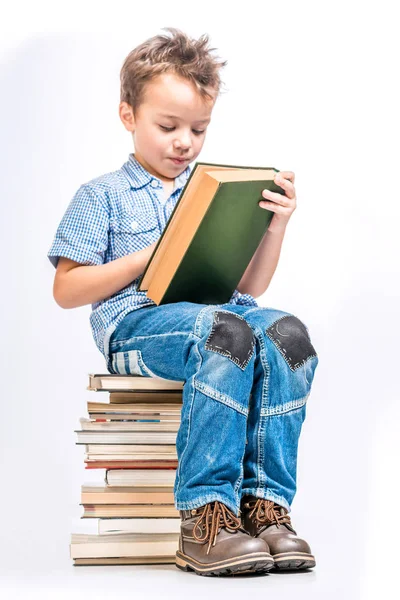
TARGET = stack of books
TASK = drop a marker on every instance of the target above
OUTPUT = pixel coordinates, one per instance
(131, 436)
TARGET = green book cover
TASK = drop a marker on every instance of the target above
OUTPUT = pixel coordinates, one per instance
(223, 244)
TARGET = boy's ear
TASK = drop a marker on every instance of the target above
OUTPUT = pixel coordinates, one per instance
(126, 116)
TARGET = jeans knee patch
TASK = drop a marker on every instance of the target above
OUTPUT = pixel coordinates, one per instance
(291, 338)
(232, 337)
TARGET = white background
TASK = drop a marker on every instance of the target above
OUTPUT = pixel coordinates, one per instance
(311, 87)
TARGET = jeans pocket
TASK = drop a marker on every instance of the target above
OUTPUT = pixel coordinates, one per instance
(129, 362)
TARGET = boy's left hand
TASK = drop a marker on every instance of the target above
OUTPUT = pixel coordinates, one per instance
(282, 205)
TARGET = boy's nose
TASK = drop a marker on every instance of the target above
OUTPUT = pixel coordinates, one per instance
(183, 142)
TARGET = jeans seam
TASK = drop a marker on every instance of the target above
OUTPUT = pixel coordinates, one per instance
(228, 355)
(241, 475)
(207, 309)
(193, 391)
(202, 500)
(305, 375)
(282, 409)
(267, 495)
(264, 401)
(219, 397)
(197, 324)
(199, 320)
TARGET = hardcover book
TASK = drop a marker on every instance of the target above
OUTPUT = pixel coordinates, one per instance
(211, 235)
(123, 545)
(108, 382)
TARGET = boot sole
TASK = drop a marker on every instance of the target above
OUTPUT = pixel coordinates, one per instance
(294, 561)
(259, 562)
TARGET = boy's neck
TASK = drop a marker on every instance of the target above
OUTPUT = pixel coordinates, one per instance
(145, 165)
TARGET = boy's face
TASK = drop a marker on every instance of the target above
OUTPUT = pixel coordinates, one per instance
(170, 123)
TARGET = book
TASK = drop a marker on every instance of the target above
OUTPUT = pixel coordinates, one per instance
(112, 382)
(101, 494)
(157, 525)
(211, 235)
(148, 449)
(130, 456)
(137, 463)
(170, 396)
(126, 560)
(89, 425)
(124, 544)
(139, 477)
(135, 409)
(174, 397)
(125, 437)
(111, 416)
(129, 510)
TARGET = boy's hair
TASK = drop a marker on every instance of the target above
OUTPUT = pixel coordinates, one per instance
(179, 54)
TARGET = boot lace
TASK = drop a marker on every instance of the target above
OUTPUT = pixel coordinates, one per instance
(212, 518)
(267, 512)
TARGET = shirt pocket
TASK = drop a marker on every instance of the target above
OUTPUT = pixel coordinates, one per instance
(132, 232)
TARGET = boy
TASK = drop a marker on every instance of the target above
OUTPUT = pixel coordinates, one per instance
(247, 370)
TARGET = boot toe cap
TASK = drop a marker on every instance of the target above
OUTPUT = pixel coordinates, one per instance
(279, 545)
(256, 545)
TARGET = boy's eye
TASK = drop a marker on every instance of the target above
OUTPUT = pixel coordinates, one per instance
(196, 131)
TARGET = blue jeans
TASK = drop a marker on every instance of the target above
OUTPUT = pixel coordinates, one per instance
(247, 372)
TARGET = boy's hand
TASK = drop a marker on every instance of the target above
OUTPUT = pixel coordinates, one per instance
(282, 206)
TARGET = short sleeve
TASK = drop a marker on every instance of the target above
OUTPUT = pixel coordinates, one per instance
(82, 234)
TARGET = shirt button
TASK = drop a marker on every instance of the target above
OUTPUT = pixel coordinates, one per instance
(154, 183)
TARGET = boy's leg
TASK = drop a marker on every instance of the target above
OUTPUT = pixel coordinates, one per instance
(283, 373)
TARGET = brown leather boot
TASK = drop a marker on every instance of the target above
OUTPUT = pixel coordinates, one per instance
(213, 542)
(269, 521)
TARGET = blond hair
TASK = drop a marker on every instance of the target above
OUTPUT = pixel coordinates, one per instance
(179, 54)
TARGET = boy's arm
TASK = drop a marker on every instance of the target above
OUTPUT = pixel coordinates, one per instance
(262, 266)
(76, 284)
(259, 272)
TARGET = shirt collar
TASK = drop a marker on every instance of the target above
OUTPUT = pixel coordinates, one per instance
(139, 177)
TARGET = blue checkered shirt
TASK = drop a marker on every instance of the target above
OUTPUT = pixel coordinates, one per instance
(109, 217)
